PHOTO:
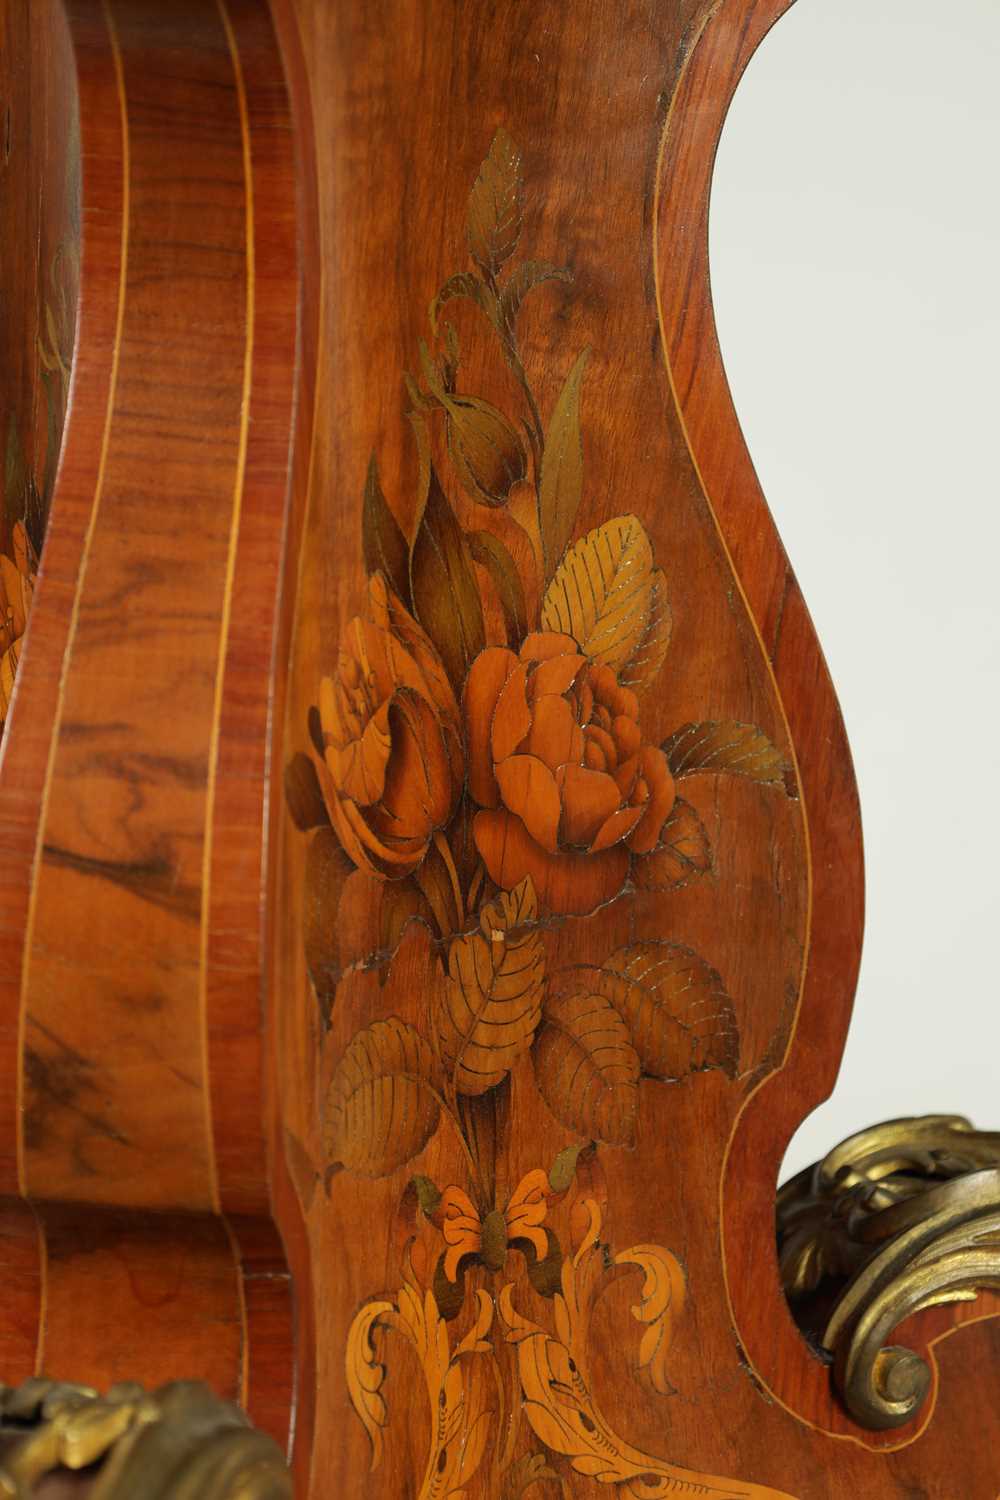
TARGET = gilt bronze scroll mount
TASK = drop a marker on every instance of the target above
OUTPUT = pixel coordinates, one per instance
(901, 1217)
(178, 1441)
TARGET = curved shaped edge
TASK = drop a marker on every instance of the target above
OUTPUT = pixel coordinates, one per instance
(309, 290)
(250, 677)
(39, 263)
(31, 725)
(721, 45)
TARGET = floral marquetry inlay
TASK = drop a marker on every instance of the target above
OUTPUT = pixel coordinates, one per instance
(483, 771)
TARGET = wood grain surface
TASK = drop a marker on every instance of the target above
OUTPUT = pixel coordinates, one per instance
(615, 110)
(134, 790)
(39, 257)
(430, 861)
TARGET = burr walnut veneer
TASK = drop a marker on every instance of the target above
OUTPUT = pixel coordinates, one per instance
(430, 860)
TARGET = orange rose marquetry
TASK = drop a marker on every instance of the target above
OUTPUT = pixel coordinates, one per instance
(568, 790)
(392, 765)
(493, 828)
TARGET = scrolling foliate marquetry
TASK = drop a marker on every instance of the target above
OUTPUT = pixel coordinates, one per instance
(479, 778)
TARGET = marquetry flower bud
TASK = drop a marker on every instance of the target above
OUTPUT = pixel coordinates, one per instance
(568, 788)
(393, 766)
(487, 452)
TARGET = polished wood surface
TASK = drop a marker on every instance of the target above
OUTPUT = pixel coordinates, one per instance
(134, 796)
(39, 268)
(196, 924)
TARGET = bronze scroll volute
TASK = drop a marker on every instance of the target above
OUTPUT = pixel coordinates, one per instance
(897, 1219)
(177, 1443)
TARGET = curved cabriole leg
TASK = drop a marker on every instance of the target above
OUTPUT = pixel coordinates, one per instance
(430, 864)
(568, 895)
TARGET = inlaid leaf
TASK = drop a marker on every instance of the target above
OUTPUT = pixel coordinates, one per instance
(679, 1016)
(303, 796)
(451, 355)
(382, 1106)
(495, 206)
(490, 552)
(560, 484)
(383, 543)
(587, 1069)
(434, 367)
(527, 1471)
(449, 1295)
(315, 727)
(739, 749)
(466, 284)
(641, 670)
(327, 869)
(417, 418)
(434, 881)
(545, 1272)
(366, 1372)
(602, 591)
(563, 1169)
(463, 850)
(445, 595)
(522, 280)
(492, 999)
(682, 854)
(427, 1194)
(662, 1302)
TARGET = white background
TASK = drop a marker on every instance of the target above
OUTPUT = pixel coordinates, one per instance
(855, 251)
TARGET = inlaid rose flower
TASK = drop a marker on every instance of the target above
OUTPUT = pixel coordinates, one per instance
(567, 788)
(392, 769)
